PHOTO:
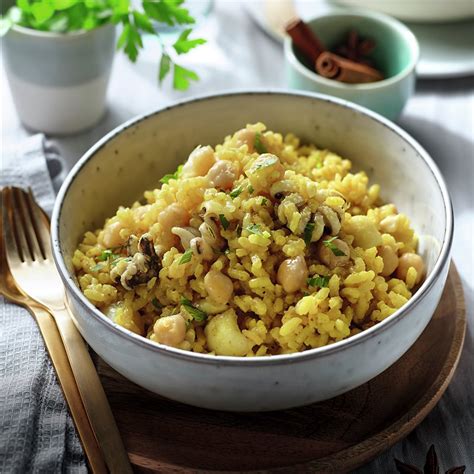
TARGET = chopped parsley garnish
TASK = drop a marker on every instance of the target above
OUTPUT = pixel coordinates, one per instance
(196, 313)
(105, 255)
(225, 223)
(97, 267)
(264, 202)
(265, 162)
(331, 246)
(319, 281)
(319, 165)
(186, 257)
(259, 146)
(255, 229)
(156, 303)
(236, 192)
(117, 260)
(308, 232)
(165, 179)
(250, 189)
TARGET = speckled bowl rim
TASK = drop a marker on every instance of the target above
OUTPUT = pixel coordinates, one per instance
(403, 31)
(282, 359)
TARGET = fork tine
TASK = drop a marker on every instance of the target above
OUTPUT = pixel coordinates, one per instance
(40, 225)
(15, 246)
(36, 219)
(24, 221)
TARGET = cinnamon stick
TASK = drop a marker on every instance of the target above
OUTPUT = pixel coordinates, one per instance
(305, 40)
(335, 67)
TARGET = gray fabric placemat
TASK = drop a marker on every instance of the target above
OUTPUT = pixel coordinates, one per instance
(37, 434)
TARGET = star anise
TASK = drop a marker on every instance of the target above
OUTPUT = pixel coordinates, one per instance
(431, 465)
(355, 48)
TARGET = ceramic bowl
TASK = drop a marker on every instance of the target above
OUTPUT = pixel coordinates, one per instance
(134, 156)
(59, 81)
(396, 55)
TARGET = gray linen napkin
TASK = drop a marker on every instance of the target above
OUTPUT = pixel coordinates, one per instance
(37, 433)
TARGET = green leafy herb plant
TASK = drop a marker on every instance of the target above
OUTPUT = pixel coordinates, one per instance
(136, 19)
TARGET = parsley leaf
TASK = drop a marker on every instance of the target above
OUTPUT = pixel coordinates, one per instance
(264, 162)
(197, 314)
(186, 257)
(106, 254)
(183, 44)
(308, 232)
(250, 189)
(156, 303)
(264, 201)
(236, 192)
(97, 267)
(255, 229)
(335, 250)
(169, 12)
(130, 41)
(143, 22)
(182, 76)
(135, 17)
(165, 179)
(42, 11)
(319, 281)
(165, 67)
(258, 144)
(225, 223)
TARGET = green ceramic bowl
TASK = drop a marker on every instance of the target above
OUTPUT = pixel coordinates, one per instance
(396, 55)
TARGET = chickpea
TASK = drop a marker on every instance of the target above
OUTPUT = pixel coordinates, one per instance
(246, 137)
(173, 216)
(390, 259)
(327, 256)
(408, 260)
(170, 330)
(292, 274)
(223, 174)
(218, 286)
(111, 235)
(199, 162)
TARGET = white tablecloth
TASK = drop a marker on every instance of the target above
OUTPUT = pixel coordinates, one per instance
(440, 116)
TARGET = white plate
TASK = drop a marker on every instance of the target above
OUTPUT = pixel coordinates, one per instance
(446, 48)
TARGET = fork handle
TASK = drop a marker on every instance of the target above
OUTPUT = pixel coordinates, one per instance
(58, 356)
(93, 396)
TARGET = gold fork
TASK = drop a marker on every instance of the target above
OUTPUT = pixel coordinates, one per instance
(29, 256)
(58, 356)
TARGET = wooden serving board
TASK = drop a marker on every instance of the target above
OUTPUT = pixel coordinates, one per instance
(332, 436)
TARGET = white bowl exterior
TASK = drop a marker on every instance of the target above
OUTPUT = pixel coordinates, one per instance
(273, 382)
(59, 81)
(263, 387)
